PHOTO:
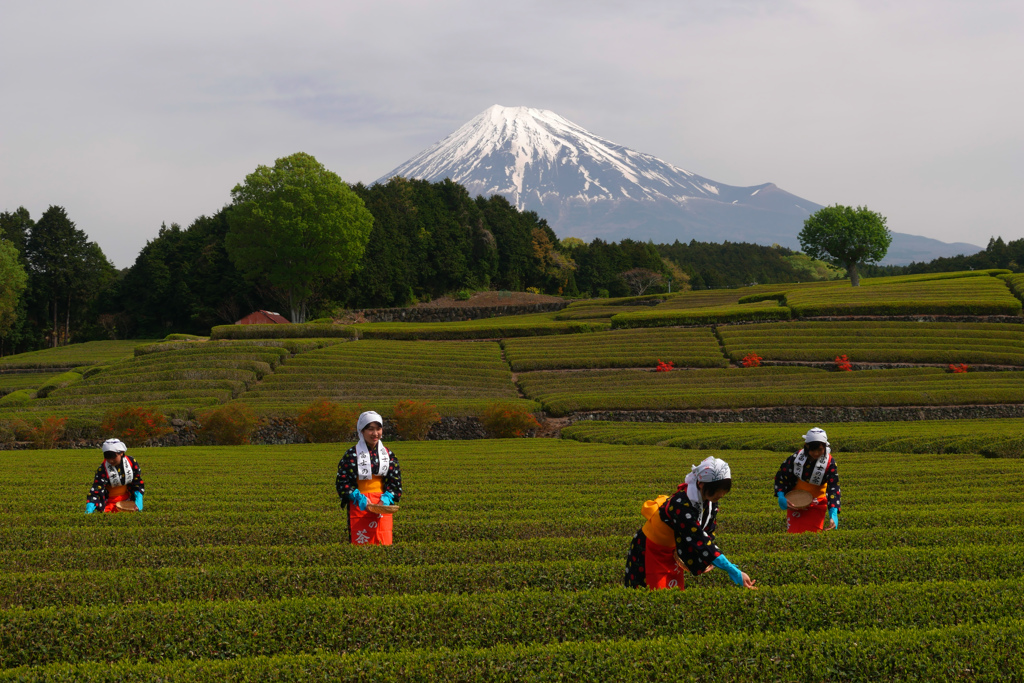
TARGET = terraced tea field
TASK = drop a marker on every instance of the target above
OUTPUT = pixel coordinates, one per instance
(617, 349)
(458, 377)
(507, 565)
(878, 342)
(561, 393)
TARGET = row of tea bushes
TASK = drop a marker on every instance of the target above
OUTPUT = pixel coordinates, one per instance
(932, 436)
(616, 349)
(564, 393)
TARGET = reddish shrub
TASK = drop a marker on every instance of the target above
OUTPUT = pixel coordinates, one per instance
(413, 419)
(43, 433)
(229, 425)
(327, 422)
(843, 364)
(959, 367)
(135, 426)
(751, 360)
(506, 420)
(664, 367)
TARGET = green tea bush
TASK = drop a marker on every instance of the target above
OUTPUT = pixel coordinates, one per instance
(289, 331)
(61, 380)
(229, 425)
(413, 419)
(17, 398)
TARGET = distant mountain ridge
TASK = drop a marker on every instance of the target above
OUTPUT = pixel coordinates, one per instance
(587, 187)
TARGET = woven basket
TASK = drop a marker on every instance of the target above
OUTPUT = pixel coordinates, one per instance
(799, 499)
(127, 506)
(382, 509)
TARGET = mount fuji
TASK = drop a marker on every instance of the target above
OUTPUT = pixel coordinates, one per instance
(586, 186)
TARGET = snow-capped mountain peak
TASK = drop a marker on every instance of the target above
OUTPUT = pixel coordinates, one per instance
(531, 154)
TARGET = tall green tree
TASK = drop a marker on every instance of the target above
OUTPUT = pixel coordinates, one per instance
(294, 225)
(66, 270)
(15, 226)
(13, 280)
(844, 236)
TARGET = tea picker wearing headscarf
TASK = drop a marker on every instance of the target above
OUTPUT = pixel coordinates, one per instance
(811, 472)
(118, 483)
(680, 532)
(368, 474)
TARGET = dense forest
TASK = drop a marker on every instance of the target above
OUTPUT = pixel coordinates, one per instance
(428, 240)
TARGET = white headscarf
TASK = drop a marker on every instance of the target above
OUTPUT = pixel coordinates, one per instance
(710, 469)
(113, 446)
(363, 463)
(818, 435)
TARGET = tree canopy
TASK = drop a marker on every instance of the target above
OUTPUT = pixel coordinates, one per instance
(295, 224)
(845, 236)
(13, 280)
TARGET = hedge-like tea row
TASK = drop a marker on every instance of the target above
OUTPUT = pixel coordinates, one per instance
(933, 436)
(529, 325)
(984, 652)
(616, 349)
(832, 567)
(659, 317)
(564, 393)
(289, 331)
(187, 630)
(471, 552)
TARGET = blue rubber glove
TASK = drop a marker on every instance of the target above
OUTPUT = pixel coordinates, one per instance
(783, 503)
(729, 568)
(359, 499)
(138, 500)
(90, 508)
(834, 514)
(387, 498)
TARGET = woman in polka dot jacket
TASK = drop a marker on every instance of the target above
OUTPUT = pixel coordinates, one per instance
(369, 474)
(811, 469)
(680, 533)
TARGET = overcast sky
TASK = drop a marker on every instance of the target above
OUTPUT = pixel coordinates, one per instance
(134, 113)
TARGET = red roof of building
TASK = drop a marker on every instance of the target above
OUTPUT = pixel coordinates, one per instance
(262, 318)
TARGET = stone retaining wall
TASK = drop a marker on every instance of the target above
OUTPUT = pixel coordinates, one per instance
(451, 314)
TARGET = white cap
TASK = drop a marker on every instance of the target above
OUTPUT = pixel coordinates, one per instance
(368, 417)
(711, 469)
(816, 435)
(113, 446)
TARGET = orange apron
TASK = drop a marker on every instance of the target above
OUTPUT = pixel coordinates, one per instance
(660, 556)
(369, 528)
(811, 518)
(115, 495)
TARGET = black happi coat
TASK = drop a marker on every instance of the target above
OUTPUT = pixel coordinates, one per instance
(695, 540)
(348, 475)
(785, 478)
(98, 492)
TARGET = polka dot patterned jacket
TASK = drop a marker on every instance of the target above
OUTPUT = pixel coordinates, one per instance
(695, 540)
(785, 480)
(98, 493)
(348, 476)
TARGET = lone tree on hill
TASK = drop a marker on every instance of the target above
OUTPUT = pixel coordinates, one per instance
(844, 236)
(639, 280)
(294, 225)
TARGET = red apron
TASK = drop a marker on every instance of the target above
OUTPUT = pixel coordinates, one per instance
(660, 556)
(115, 495)
(369, 528)
(812, 517)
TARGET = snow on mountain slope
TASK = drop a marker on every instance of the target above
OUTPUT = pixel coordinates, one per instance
(587, 186)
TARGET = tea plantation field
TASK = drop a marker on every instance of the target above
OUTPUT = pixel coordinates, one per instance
(507, 565)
